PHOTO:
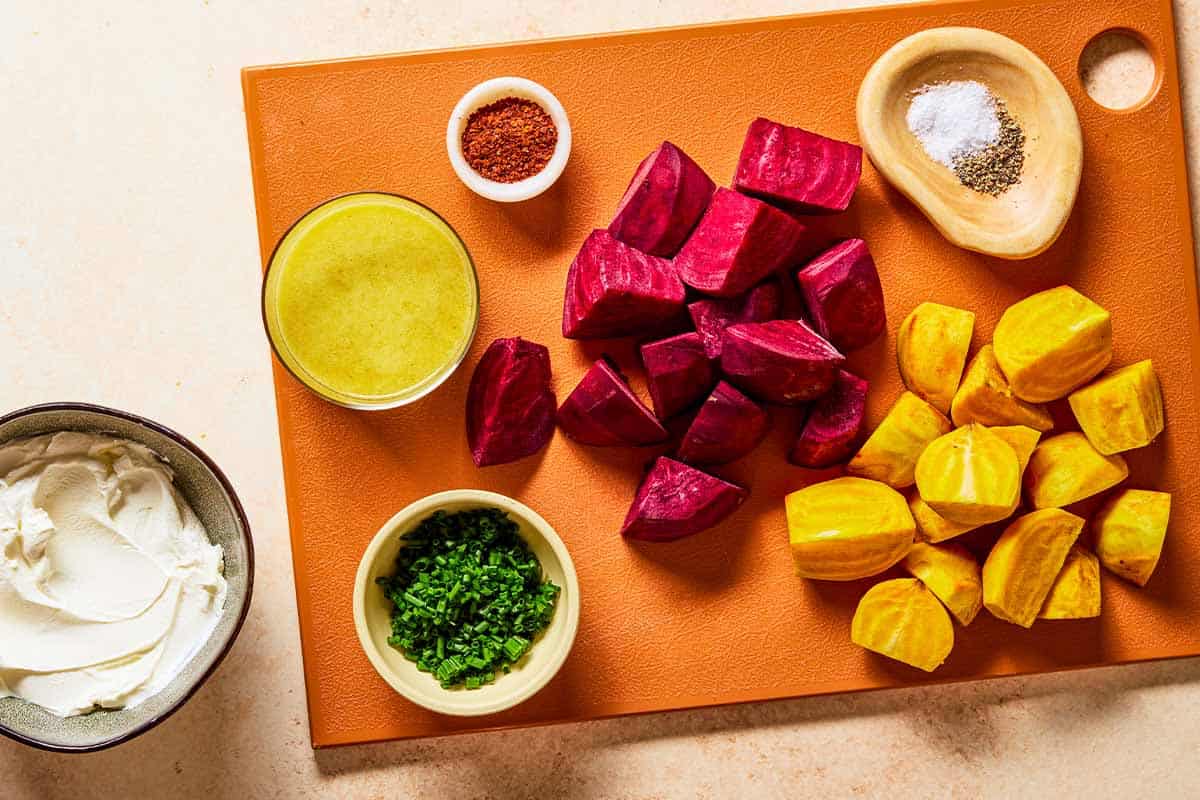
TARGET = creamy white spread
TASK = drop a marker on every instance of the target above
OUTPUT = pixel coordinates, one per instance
(108, 581)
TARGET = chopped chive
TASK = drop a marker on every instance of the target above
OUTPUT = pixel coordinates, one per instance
(468, 597)
(515, 647)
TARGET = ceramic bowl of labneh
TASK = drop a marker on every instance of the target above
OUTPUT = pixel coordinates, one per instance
(466, 602)
(126, 568)
(508, 139)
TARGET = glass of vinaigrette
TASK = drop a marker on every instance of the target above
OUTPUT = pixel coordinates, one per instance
(371, 300)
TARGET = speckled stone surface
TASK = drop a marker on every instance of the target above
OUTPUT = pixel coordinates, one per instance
(127, 249)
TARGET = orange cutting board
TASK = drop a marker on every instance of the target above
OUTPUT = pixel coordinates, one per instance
(717, 618)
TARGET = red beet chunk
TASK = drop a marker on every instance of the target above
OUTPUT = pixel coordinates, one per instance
(510, 404)
(664, 201)
(603, 411)
(831, 433)
(781, 361)
(738, 242)
(728, 426)
(711, 317)
(616, 290)
(676, 500)
(842, 292)
(678, 373)
(797, 169)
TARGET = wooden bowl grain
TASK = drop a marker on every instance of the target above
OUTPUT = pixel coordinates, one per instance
(1027, 218)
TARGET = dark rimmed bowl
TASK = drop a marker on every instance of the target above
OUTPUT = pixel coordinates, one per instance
(216, 504)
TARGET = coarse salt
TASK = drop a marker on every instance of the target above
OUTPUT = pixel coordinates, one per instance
(953, 119)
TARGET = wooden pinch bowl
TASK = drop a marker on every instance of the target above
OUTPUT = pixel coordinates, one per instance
(1028, 217)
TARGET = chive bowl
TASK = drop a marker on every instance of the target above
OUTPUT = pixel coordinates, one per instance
(373, 610)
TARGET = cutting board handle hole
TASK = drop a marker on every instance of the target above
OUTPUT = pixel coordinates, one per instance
(1119, 70)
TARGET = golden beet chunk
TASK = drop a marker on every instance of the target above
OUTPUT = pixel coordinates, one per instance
(902, 619)
(932, 526)
(1021, 439)
(890, 453)
(970, 476)
(1024, 562)
(1121, 411)
(951, 573)
(1066, 468)
(985, 397)
(1130, 529)
(847, 528)
(1051, 343)
(932, 346)
(1075, 593)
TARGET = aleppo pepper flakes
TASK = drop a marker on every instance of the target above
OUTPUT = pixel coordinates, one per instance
(509, 140)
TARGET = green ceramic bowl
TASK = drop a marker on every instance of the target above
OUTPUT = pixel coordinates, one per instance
(215, 503)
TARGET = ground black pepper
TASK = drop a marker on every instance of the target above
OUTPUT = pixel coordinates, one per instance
(509, 140)
(997, 167)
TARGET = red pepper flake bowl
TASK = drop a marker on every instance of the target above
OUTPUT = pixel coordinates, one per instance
(493, 91)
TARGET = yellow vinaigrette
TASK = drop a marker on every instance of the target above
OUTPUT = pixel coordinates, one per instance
(371, 300)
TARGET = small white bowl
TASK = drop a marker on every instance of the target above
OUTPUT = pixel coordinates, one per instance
(373, 610)
(489, 92)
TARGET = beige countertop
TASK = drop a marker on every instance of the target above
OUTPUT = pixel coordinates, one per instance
(128, 248)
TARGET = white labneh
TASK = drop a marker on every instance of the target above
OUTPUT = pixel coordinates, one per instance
(108, 581)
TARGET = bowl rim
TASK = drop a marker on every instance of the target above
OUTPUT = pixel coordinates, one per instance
(390, 404)
(489, 91)
(238, 511)
(427, 505)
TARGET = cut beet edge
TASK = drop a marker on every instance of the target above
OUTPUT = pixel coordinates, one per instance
(664, 201)
(728, 426)
(676, 500)
(603, 411)
(712, 316)
(737, 243)
(510, 402)
(678, 373)
(616, 290)
(797, 169)
(843, 295)
(782, 361)
(830, 435)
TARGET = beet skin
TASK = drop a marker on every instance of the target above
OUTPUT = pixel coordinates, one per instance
(510, 403)
(842, 292)
(797, 169)
(728, 426)
(782, 361)
(712, 316)
(616, 290)
(664, 201)
(738, 242)
(676, 500)
(604, 412)
(678, 373)
(831, 432)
